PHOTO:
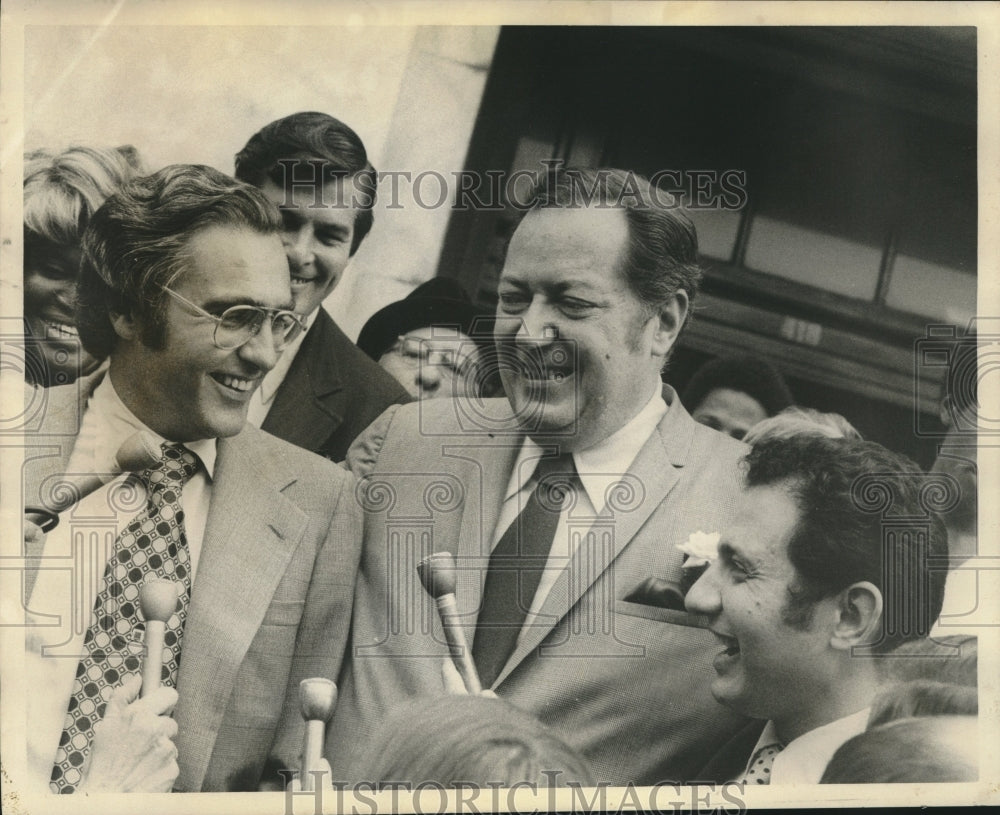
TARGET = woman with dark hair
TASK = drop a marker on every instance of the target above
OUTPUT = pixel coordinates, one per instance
(61, 192)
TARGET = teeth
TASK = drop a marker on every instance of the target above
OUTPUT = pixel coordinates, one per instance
(299, 281)
(61, 329)
(236, 383)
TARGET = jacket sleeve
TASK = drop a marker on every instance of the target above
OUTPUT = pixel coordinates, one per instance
(364, 452)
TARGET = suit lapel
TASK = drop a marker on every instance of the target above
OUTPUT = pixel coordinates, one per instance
(311, 402)
(251, 533)
(655, 472)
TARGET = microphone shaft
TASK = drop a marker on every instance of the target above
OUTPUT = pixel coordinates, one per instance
(461, 654)
(152, 663)
(312, 751)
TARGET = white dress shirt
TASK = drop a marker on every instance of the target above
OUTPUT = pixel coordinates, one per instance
(599, 467)
(804, 759)
(262, 398)
(61, 606)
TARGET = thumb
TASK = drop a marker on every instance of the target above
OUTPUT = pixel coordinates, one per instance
(129, 690)
(122, 696)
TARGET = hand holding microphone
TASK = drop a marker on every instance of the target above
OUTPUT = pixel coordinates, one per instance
(134, 748)
(438, 576)
(138, 452)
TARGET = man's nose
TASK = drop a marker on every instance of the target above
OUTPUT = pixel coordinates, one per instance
(538, 325)
(703, 597)
(64, 294)
(259, 350)
(298, 247)
(428, 376)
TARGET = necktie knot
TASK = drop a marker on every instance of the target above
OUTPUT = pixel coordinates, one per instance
(554, 478)
(177, 465)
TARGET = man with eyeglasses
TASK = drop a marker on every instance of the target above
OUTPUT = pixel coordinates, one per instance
(434, 341)
(324, 391)
(181, 287)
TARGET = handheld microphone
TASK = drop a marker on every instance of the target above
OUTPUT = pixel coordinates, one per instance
(158, 601)
(316, 698)
(437, 575)
(138, 452)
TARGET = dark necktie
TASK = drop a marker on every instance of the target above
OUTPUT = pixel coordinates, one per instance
(152, 545)
(516, 566)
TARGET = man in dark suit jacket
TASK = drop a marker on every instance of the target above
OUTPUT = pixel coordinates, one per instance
(591, 300)
(324, 391)
(180, 290)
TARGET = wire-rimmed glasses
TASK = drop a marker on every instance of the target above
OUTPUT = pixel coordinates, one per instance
(417, 351)
(237, 325)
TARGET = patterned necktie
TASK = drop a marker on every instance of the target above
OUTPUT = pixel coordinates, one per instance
(153, 545)
(516, 566)
(758, 771)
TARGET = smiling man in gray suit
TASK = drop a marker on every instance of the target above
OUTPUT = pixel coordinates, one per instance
(183, 288)
(563, 504)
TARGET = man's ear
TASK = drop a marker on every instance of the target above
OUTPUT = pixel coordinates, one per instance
(859, 617)
(124, 325)
(670, 321)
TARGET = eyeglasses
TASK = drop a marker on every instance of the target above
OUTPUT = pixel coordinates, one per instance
(238, 324)
(415, 351)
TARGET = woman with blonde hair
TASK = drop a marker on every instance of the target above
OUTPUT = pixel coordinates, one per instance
(61, 192)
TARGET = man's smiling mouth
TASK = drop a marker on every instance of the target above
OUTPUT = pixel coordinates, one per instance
(237, 383)
(60, 330)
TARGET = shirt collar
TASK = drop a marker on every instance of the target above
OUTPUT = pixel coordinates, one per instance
(119, 423)
(804, 759)
(601, 464)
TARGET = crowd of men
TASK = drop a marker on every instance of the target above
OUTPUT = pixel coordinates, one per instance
(664, 602)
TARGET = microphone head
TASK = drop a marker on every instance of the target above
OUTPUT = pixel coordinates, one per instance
(438, 574)
(316, 698)
(158, 599)
(138, 452)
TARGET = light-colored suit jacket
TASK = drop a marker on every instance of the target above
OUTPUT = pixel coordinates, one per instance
(272, 596)
(625, 683)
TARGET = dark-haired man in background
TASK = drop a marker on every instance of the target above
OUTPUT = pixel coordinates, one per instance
(323, 391)
(562, 600)
(808, 591)
(732, 394)
(183, 288)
